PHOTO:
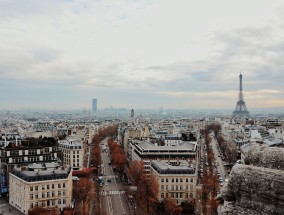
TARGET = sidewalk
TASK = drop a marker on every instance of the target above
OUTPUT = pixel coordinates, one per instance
(6, 209)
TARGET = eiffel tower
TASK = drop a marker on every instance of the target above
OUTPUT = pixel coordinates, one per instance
(241, 109)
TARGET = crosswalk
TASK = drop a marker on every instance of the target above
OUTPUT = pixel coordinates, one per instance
(110, 176)
(112, 192)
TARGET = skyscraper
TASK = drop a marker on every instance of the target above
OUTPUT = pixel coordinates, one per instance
(94, 106)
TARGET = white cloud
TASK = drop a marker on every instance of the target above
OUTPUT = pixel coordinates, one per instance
(182, 48)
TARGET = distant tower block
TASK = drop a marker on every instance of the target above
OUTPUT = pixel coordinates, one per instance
(132, 113)
(94, 106)
(241, 109)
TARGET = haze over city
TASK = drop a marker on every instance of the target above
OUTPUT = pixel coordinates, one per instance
(141, 54)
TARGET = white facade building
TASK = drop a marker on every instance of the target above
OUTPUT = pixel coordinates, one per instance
(40, 185)
(176, 180)
(72, 153)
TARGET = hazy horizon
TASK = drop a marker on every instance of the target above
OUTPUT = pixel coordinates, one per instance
(141, 54)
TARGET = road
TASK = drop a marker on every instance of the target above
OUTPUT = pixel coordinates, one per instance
(113, 197)
(218, 158)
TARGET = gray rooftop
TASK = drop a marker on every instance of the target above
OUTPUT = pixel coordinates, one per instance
(185, 145)
(163, 167)
(41, 172)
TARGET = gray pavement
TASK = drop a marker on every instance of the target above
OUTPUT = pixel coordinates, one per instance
(6, 209)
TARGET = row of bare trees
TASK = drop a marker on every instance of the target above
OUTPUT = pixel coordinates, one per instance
(147, 190)
(147, 187)
(118, 157)
(210, 180)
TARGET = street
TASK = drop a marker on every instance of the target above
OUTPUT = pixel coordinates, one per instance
(218, 159)
(112, 193)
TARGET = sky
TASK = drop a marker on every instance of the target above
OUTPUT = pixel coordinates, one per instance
(178, 54)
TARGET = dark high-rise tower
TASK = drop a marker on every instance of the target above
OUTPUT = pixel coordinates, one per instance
(94, 106)
(241, 109)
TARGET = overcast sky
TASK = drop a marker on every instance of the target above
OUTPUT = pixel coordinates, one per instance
(141, 54)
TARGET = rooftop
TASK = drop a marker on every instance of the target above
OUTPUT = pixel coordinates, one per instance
(41, 172)
(185, 145)
(183, 167)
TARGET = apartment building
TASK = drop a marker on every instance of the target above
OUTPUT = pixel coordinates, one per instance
(72, 153)
(147, 152)
(177, 180)
(40, 185)
(19, 155)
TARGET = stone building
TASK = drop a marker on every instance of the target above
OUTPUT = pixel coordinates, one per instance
(40, 185)
(176, 180)
(72, 153)
(147, 152)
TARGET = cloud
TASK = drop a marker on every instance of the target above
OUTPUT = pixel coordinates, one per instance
(157, 53)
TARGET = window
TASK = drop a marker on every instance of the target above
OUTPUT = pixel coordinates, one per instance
(47, 186)
(186, 180)
(64, 194)
(59, 193)
(36, 187)
(191, 180)
(162, 180)
(43, 187)
(36, 195)
(52, 186)
(191, 195)
(180, 195)
(31, 205)
(186, 195)
(167, 180)
(167, 195)
(59, 185)
(176, 179)
(181, 180)
(173, 187)
(162, 195)
(43, 195)
(162, 187)
(64, 201)
(176, 195)
(31, 196)
(31, 188)
(47, 194)
(59, 201)
(173, 195)
(173, 180)
(63, 184)
(52, 194)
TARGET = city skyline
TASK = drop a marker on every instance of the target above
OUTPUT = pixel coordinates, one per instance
(141, 54)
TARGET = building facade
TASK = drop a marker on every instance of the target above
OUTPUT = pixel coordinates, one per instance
(40, 185)
(147, 152)
(176, 180)
(12, 156)
(72, 153)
